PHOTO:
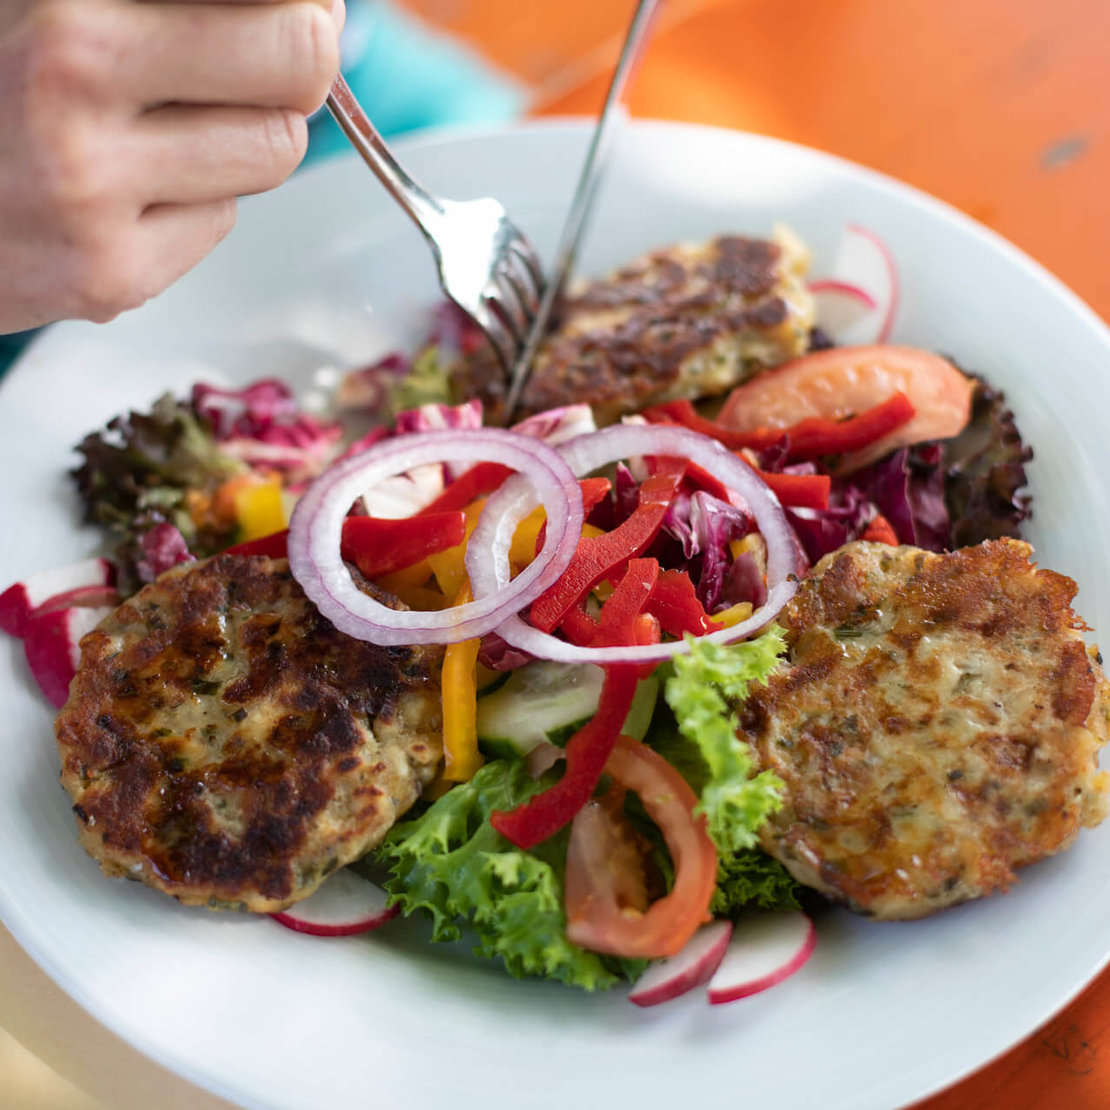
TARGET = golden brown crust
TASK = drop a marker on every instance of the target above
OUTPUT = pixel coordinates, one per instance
(685, 322)
(224, 743)
(937, 726)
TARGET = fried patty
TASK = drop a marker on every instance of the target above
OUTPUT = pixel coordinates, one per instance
(224, 743)
(937, 725)
(688, 321)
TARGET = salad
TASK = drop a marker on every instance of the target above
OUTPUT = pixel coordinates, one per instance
(603, 616)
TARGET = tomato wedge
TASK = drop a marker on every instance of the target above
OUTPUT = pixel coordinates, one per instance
(596, 917)
(843, 381)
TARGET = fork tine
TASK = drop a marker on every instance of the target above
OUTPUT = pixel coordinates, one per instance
(524, 285)
(516, 302)
(504, 344)
(520, 248)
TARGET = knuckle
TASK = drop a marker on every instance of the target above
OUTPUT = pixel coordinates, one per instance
(66, 53)
(73, 174)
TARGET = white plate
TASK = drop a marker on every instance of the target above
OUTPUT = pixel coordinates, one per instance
(326, 272)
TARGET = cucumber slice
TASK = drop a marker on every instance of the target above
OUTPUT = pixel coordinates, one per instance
(545, 701)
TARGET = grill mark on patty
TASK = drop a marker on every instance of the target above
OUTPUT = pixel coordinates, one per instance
(220, 728)
(686, 321)
(949, 695)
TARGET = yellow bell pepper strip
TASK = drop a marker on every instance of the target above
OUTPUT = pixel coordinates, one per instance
(726, 618)
(449, 566)
(526, 538)
(460, 705)
(529, 535)
(421, 598)
(415, 575)
(600, 557)
(259, 509)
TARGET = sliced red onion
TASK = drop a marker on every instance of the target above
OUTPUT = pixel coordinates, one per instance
(317, 523)
(489, 568)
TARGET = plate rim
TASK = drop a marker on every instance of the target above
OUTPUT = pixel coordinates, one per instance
(577, 126)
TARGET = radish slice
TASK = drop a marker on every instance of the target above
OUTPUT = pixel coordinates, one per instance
(765, 949)
(863, 269)
(840, 305)
(83, 597)
(694, 965)
(52, 644)
(18, 602)
(346, 904)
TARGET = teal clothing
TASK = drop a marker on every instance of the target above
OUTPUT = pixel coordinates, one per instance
(407, 76)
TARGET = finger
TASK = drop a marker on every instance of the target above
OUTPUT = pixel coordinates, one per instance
(337, 8)
(270, 55)
(134, 265)
(190, 155)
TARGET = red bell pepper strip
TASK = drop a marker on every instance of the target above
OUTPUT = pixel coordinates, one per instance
(799, 491)
(880, 530)
(579, 627)
(627, 602)
(808, 491)
(808, 439)
(377, 546)
(593, 490)
(482, 478)
(587, 752)
(275, 546)
(675, 604)
(622, 622)
(600, 557)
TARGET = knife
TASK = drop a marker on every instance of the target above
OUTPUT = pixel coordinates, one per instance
(584, 193)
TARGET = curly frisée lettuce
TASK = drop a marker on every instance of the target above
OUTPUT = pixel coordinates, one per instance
(701, 689)
(749, 878)
(451, 863)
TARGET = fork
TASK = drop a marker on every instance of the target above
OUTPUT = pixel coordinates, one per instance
(486, 265)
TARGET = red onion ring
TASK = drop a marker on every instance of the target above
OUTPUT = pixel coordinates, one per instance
(317, 524)
(489, 571)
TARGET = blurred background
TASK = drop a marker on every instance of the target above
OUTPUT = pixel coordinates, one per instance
(1000, 107)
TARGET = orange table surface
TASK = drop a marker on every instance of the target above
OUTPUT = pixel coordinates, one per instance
(1000, 107)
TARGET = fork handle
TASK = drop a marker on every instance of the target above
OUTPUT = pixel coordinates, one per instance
(422, 207)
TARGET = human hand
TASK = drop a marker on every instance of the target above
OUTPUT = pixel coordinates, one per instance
(128, 129)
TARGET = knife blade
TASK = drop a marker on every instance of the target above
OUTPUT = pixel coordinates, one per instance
(585, 191)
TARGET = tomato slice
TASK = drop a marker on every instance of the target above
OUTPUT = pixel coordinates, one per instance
(843, 381)
(600, 915)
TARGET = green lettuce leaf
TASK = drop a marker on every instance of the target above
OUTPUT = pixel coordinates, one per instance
(427, 382)
(453, 865)
(698, 738)
(701, 691)
(751, 876)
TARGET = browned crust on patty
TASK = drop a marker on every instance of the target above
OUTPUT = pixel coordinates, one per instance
(224, 743)
(938, 725)
(683, 322)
